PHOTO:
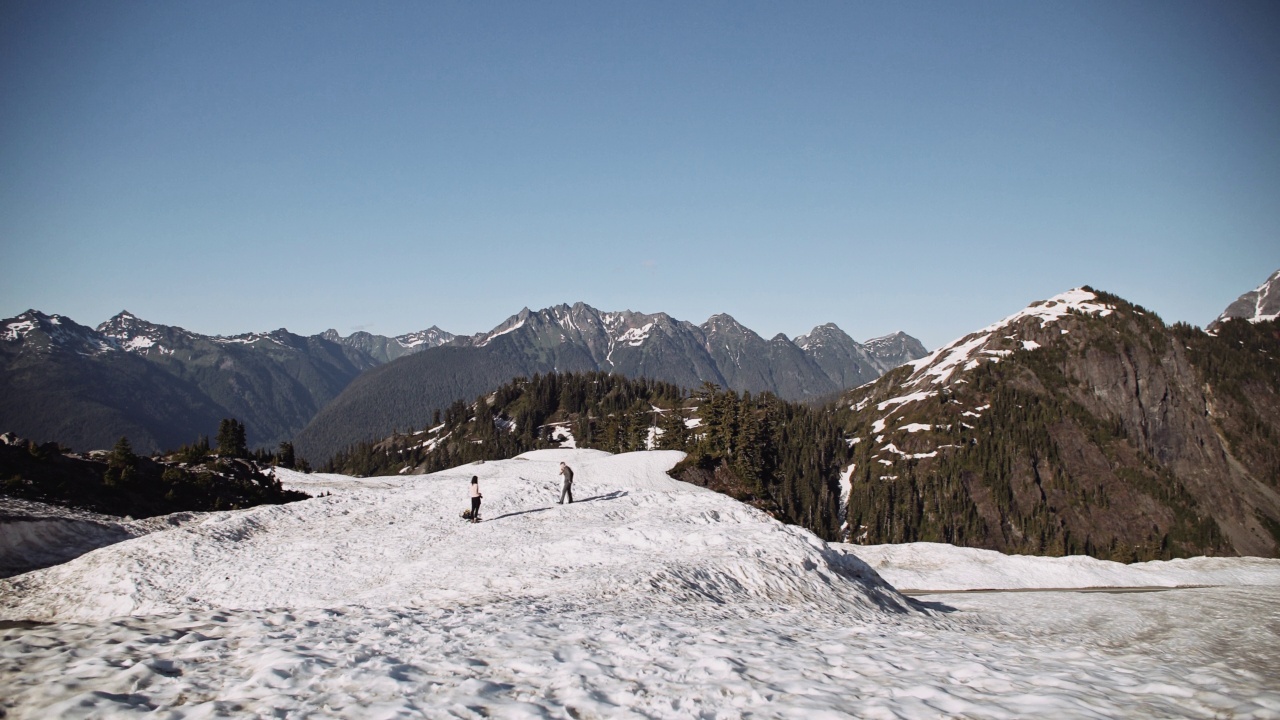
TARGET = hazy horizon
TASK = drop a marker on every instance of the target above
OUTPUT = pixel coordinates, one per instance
(922, 167)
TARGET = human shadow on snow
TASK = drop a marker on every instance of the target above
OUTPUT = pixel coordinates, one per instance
(607, 496)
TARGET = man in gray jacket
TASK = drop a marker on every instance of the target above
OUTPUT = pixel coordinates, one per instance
(567, 492)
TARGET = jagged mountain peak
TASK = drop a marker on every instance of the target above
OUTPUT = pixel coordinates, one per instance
(823, 335)
(384, 349)
(722, 321)
(430, 337)
(1258, 305)
(888, 339)
(125, 324)
(18, 327)
(36, 331)
(141, 336)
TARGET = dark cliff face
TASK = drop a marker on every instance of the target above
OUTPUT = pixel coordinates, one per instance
(1087, 427)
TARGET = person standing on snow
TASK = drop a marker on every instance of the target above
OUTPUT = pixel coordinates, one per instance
(567, 472)
(475, 499)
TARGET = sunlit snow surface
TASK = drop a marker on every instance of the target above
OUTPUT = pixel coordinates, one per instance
(646, 598)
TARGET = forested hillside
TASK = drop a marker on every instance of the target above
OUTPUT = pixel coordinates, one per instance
(1081, 425)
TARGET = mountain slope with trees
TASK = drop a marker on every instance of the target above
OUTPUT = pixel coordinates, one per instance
(1082, 424)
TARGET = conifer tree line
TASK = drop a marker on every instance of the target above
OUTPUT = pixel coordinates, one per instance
(194, 477)
(782, 457)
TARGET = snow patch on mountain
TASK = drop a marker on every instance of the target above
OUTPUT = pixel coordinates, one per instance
(938, 367)
(18, 329)
(636, 336)
(499, 333)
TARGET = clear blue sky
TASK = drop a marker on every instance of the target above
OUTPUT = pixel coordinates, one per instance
(930, 167)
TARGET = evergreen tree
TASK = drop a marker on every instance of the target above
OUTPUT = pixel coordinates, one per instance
(285, 457)
(231, 439)
(120, 464)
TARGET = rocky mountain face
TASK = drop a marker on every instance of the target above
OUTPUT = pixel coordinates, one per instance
(890, 351)
(161, 385)
(1258, 305)
(384, 349)
(1082, 424)
(849, 363)
(580, 338)
(721, 350)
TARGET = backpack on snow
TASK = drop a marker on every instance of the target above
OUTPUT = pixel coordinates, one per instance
(466, 514)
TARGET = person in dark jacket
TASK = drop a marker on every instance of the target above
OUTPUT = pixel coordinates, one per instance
(475, 499)
(567, 492)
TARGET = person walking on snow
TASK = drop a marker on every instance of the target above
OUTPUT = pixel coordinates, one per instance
(567, 472)
(475, 499)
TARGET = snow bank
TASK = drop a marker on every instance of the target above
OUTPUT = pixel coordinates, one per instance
(940, 567)
(36, 535)
(634, 533)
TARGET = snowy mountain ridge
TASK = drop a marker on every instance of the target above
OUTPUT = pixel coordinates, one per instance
(43, 334)
(601, 332)
(385, 349)
(932, 373)
(579, 338)
(984, 346)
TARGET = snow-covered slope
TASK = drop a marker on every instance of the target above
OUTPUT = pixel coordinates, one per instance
(995, 341)
(933, 567)
(400, 541)
(646, 598)
(36, 535)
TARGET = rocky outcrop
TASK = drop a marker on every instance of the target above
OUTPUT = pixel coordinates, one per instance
(1258, 305)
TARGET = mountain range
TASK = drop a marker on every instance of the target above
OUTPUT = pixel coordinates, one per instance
(162, 385)
(579, 338)
(159, 385)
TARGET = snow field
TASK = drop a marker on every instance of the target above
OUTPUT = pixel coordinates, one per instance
(915, 567)
(646, 598)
